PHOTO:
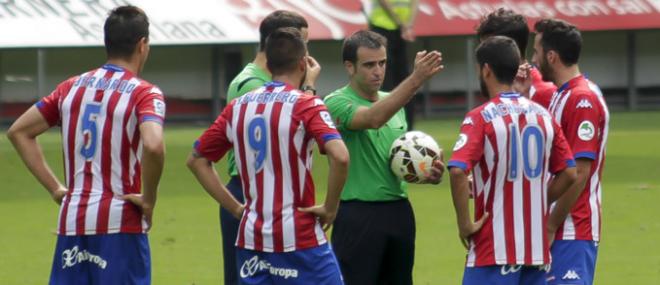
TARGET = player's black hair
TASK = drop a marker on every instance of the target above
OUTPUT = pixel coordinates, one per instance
(279, 19)
(362, 38)
(505, 22)
(502, 55)
(561, 37)
(123, 29)
(285, 48)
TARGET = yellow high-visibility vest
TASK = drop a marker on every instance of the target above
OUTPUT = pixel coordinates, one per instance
(381, 19)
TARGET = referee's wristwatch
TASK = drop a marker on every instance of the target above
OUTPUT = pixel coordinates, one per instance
(309, 88)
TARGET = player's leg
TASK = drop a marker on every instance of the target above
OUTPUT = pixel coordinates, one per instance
(358, 242)
(533, 275)
(229, 227)
(573, 262)
(251, 267)
(316, 266)
(492, 275)
(120, 259)
(66, 269)
(398, 220)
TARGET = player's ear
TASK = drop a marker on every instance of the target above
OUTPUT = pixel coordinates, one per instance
(551, 57)
(350, 67)
(143, 45)
(486, 71)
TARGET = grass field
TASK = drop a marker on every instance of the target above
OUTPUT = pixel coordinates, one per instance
(185, 239)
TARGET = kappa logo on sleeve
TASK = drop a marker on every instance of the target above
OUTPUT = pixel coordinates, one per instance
(584, 103)
(468, 121)
(159, 107)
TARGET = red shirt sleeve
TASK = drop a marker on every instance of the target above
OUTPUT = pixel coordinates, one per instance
(215, 141)
(151, 106)
(470, 144)
(582, 127)
(317, 120)
(49, 106)
(541, 91)
(561, 156)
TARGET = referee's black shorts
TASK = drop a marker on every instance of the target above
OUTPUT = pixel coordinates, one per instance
(375, 242)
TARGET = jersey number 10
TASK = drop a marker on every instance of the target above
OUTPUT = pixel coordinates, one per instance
(532, 151)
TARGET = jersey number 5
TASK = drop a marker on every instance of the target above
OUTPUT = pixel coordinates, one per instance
(532, 151)
(258, 140)
(89, 130)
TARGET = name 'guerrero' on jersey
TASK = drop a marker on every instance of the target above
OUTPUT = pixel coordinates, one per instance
(272, 131)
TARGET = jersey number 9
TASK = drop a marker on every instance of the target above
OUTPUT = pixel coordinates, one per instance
(258, 140)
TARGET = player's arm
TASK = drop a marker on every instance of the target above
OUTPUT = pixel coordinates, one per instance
(460, 193)
(427, 64)
(466, 152)
(153, 159)
(313, 72)
(566, 188)
(23, 135)
(208, 177)
(568, 183)
(210, 148)
(338, 159)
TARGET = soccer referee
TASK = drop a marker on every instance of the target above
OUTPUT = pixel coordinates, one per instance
(374, 232)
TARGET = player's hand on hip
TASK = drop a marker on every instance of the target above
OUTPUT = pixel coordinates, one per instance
(146, 208)
(427, 64)
(238, 211)
(325, 216)
(58, 195)
(313, 71)
(466, 231)
(436, 172)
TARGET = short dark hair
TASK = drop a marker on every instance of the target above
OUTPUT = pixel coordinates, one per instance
(279, 19)
(502, 55)
(359, 39)
(562, 37)
(123, 29)
(284, 49)
(505, 22)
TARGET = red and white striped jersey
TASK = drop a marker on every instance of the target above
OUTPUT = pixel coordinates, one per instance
(580, 109)
(541, 91)
(272, 130)
(99, 113)
(510, 144)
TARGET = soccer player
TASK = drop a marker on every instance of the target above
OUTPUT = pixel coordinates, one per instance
(253, 76)
(273, 130)
(505, 22)
(510, 144)
(374, 234)
(580, 108)
(112, 142)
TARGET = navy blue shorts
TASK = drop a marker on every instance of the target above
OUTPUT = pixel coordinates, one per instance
(573, 262)
(316, 266)
(505, 275)
(102, 259)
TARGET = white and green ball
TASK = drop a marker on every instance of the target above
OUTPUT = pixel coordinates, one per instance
(412, 155)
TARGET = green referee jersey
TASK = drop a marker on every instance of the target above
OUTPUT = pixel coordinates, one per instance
(250, 78)
(369, 174)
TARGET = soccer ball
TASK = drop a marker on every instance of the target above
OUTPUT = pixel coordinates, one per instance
(412, 155)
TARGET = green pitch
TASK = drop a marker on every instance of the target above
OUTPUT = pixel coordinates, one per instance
(185, 239)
